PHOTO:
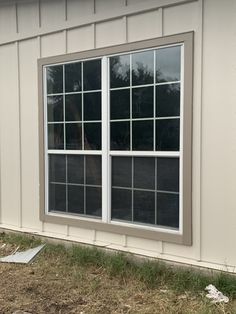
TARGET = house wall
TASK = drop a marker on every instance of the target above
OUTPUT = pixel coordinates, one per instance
(32, 29)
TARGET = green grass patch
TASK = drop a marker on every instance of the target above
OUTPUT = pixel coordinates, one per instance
(21, 240)
(153, 274)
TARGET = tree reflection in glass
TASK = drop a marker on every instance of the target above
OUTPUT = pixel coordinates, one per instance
(120, 71)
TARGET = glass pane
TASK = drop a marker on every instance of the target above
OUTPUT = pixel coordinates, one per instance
(57, 168)
(55, 108)
(168, 174)
(120, 135)
(92, 74)
(92, 136)
(142, 99)
(168, 210)
(73, 107)
(56, 136)
(92, 106)
(121, 204)
(94, 201)
(144, 173)
(122, 171)
(142, 68)
(73, 77)
(120, 71)
(57, 197)
(167, 134)
(93, 170)
(120, 104)
(55, 79)
(76, 199)
(74, 136)
(75, 169)
(142, 135)
(144, 207)
(168, 100)
(168, 64)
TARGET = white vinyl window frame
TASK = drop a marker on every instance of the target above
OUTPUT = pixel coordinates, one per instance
(105, 223)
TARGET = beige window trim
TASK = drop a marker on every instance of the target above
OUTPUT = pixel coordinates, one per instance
(186, 236)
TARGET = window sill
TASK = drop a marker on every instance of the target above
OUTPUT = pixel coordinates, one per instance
(129, 229)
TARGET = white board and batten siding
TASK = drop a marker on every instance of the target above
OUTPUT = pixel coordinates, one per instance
(31, 29)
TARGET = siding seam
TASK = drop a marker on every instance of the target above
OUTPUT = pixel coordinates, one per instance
(20, 142)
(96, 18)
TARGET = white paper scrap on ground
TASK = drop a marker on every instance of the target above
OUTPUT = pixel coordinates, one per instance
(22, 257)
(215, 295)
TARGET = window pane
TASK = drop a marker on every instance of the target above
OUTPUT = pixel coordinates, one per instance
(55, 79)
(93, 170)
(120, 71)
(144, 173)
(55, 108)
(76, 199)
(57, 168)
(122, 171)
(144, 207)
(75, 169)
(168, 210)
(167, 134)
(56, 136)
(168, 64)
(168, 100)
(168, 174)
(73, 136)
(73, 77)
(92, 106)
(142, 135)
(120, 104)
(142, 68)
(92, 75)
(142, 100)
(57, 197)
(121, 204)
(92, 136)
(120, 135)
(73, 107)
(94, 201)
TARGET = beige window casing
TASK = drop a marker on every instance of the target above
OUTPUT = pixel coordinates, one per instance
(186, 236)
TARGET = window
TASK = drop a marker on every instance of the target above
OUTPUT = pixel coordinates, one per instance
(116, 151)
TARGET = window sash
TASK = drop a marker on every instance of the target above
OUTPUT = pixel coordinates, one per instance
(184, 233)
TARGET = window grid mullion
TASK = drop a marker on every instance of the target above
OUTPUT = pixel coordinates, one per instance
(154, 103)
(82, 104)
(131, 105)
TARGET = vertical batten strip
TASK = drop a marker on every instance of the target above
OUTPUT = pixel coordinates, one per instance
(19, 120)
(199, 161)
(39, 13)
(66, 15)
(40, 55)
(16, 16)
(94, 6)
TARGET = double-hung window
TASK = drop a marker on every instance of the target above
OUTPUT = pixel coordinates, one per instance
(115, 143)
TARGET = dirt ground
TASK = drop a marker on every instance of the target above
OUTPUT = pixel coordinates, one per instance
(52, 285)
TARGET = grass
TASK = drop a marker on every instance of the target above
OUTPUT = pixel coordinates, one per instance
(77, 264)
(153, 273)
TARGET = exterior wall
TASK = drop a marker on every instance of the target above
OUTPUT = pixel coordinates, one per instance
(33, 29)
